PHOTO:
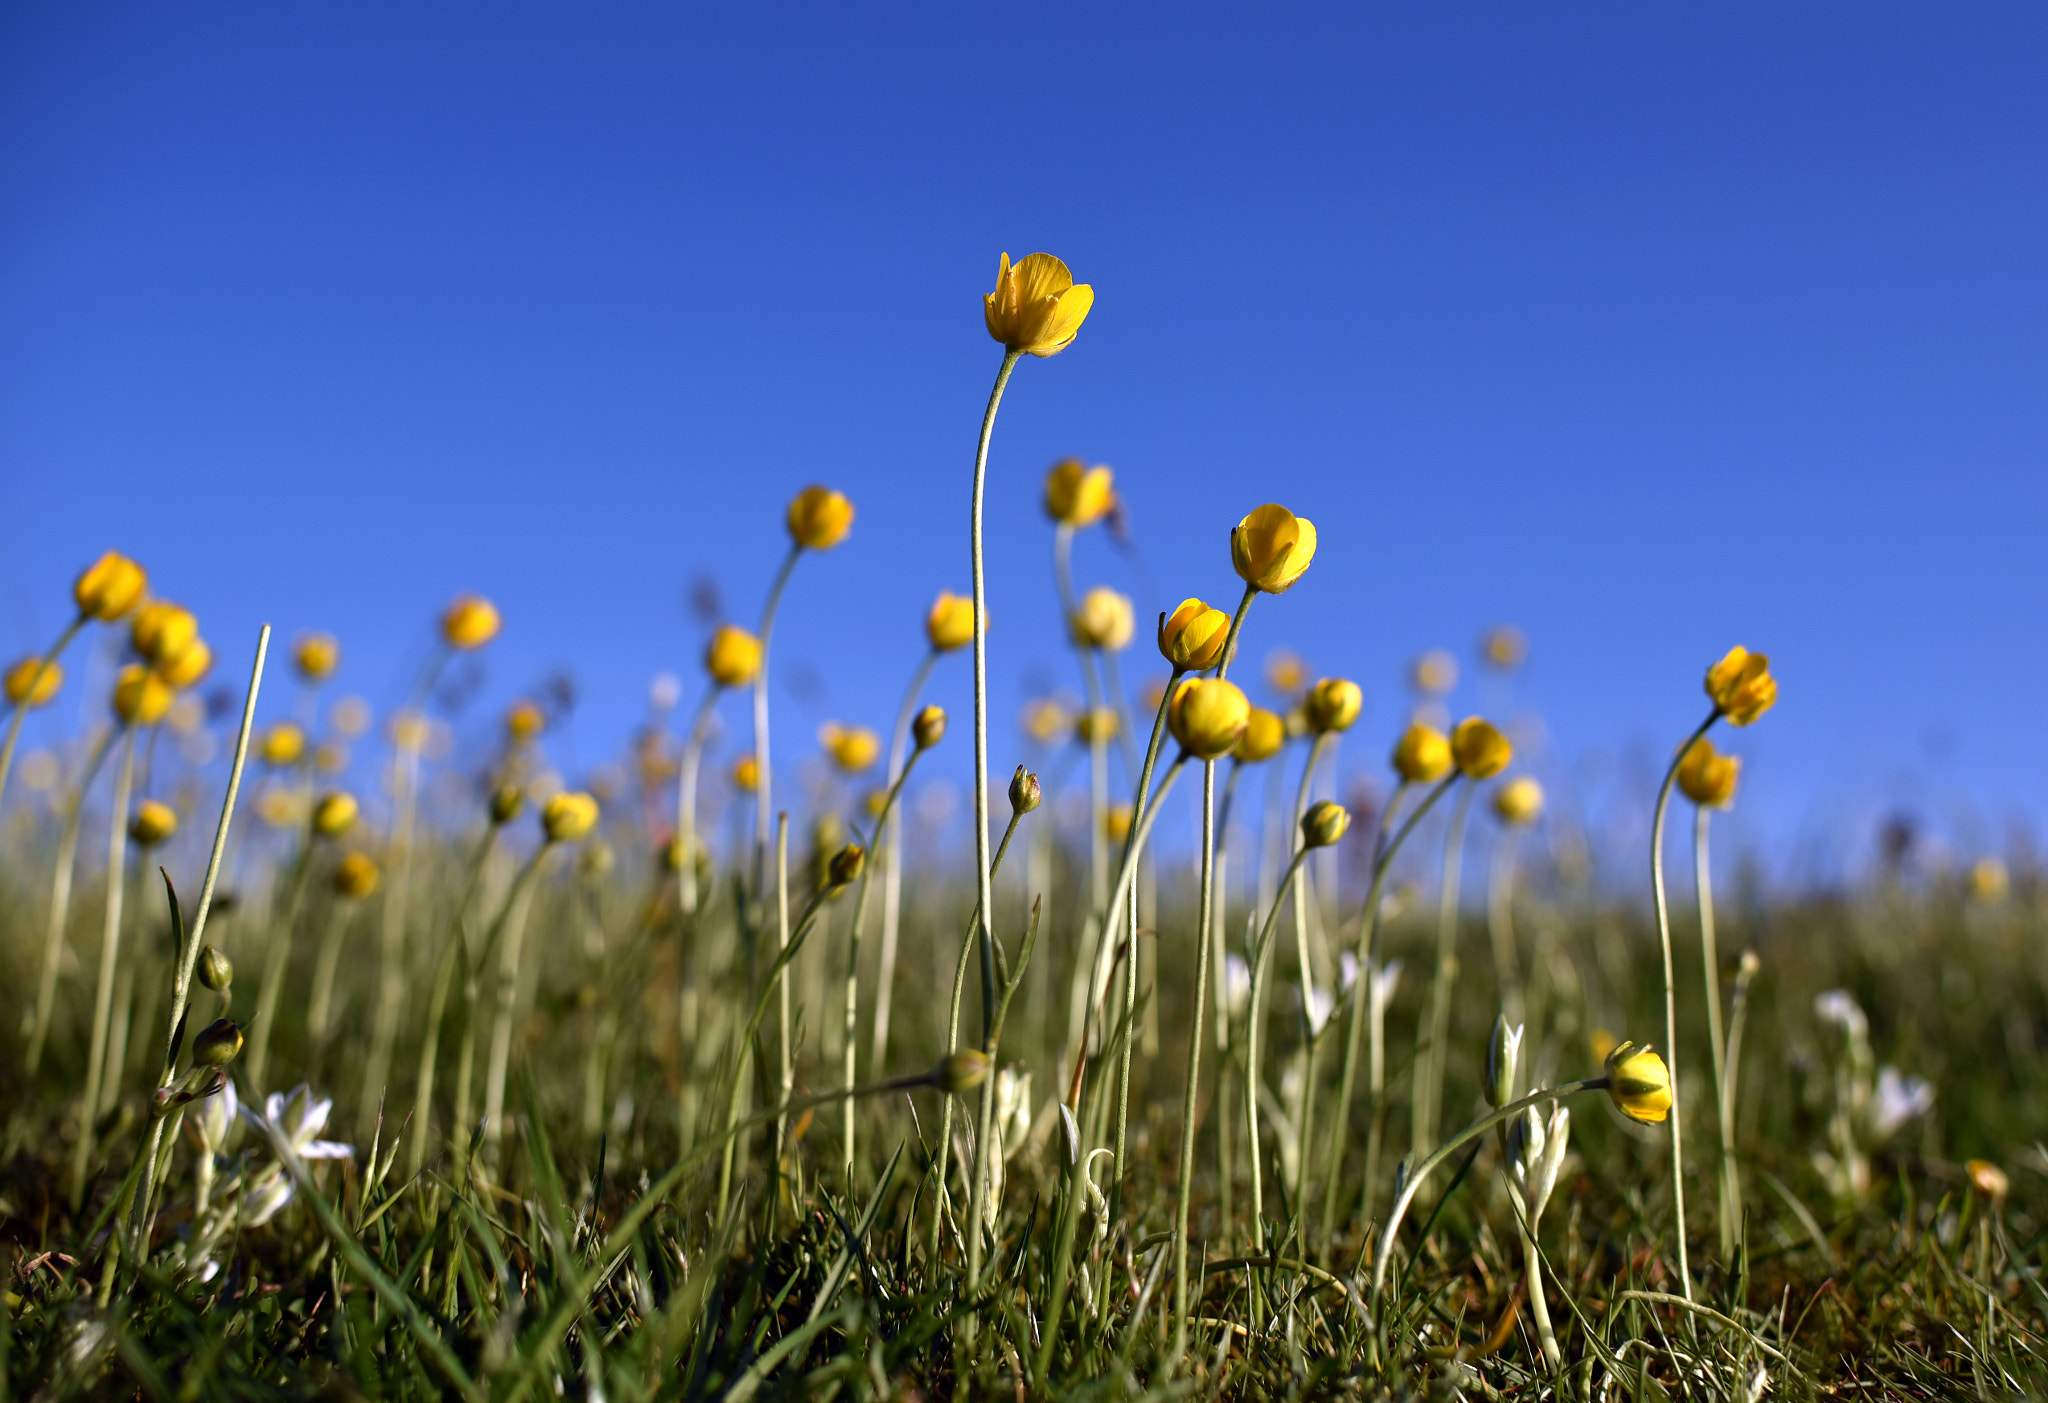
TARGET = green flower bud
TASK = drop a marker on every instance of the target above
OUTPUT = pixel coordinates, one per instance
(218, 1043)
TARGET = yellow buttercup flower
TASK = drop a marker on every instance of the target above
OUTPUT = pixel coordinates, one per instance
(282, 744)
(1192, 636)
(845, 868)
(852, 748)
(316, 656)
(733, 656)
(1639, 1083)
(746, 774)
(1707, 776)
(1286, 672)
(819, 518)
(1422, 755)
(1272, 547)
(141, 696)
(1989, 881)
(1481, 752)
(1045, 720)
(524, 720)
(1037, 306)
(470, 622)
(161, 631)
(1116, 822)
(1435, 672)
(1077, 495)
(1519, 802)
(1264, 734)
(355, 876)
(189, 667)
(1504, 648)
(23, 675)
(1100, 721)
(568, 817)
(110, 587)
(335, 814)
(950, 624)
(1742, 686)
(1207, 716)
(154, 823)
(1325, 822)
(1332, 705)
(1104, 620)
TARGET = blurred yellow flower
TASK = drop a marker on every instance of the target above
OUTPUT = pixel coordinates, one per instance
(351, 717)
(1742, 686)
(1601, 1042)
(1422, 755)
(110, 587)
(1707, 776)
(1988, 1179)
(1504, 647)
(316, 656)
(153, 823)
(1104, 620)
(1988, 879)
(141, 696)
(1264, 734)
(1077, 495)
(282, 744)
(846, 865)
(1481, 751)
(1272, 547)
(1208, 715)
(1639, 1083)
(1332, 705)
(1101, 721)
(524, 720)
(929, 728)
(335, 814)
(852, 748)
(355, 876)
(1324, 823)
(1192, 636)
(568, 817)
(161, 631)
(1037, 307)
(278, 806)
(470, 622)
(410, 730)
(1045, 719)
(733, 656)
(23, 675)
(746, 774)
(950, 624)
(819, 518)
(1519, 802)
(1435, 672)
(189, 667)
(1116, 822)
(1286, 671)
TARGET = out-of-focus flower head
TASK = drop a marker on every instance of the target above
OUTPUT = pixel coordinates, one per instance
(31, 671)
(1324, 824)
(567, 818)
(1116, 822)
(819, 518)
(351, 717)
(154, 823)
(334, 814)
(110, 587)
(733, 656)
(283, 744)
(1422, 755)
(1286, 672)
(279, 806)
(1097, 723)
(1519, 802)
(1264, 734)
(1989, 880)
(1045, 719)
(141, 696)
(1481, 752)
(355, 876)
(1077, 495)
(1272, 548)
(1332, 705)
(1104, 620)
(190, 667)
(746, 773)
(1707, 776)
(1434, 673)
(316, 656)
(1503, 648)
(929, 727)
(524, 720)
(1037, 307)
(950, 624)
(852, 748)
(1208, 715)
(1742, 686)
(161, 630)
(470, 622)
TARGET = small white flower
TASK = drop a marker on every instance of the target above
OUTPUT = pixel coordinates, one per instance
(1237, 986)
(265, 1200)
(1838, 1008)
(216, 1114)
(1347, 971)
(1384, 983)
(1897, 1100)
(1013, 1109)
(299, 1119)
(1317, 1006)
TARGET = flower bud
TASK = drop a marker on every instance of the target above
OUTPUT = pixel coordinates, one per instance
(1272, 548)
(1434, 673)
(746, 774)
(283, 744)
(819, 518)
(733, 656)
(1324, 823)
(1542, 1170)
(965, 1070)
(356, 876)
(1742, 686)
(1989, 1180)
(1100, 721)
(335, 814)
(1639, 1083)
(1503, 1051)
(110, 587)
(161, 631)
(852, 748)
(1037, 307)
(523, 721)
(1423, 755)
(32, 672)
(1207, 716)
(1480, 751)
(153, 823)
(216, 971)
(950, 624)
(1707, 776)
(1025, 793)
(141, 696)
(929, 728)
(316, 656)
(1264, 734)
(470, 622)
(1519, 802)
(1332, 705)
(568, 817)
(1077, 495)
(189, 667)
(846, 865)
(218, 1043)
(1116, 822)
(1104, 620)
(1192, 636)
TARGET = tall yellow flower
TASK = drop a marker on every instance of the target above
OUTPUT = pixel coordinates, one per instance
(470, 622)
(819, 518)
(852, 748)
(950, 624)
(110, 587)
(1272, 547)
(335, 814)
(1191, 637)
(190, 666)
(1104, 620)
(355, 876)
(1480, 750)
(1208, 716)
(141, 696)
(566, 818)
(1422, 755)
(1639, 1083)
(153, 823)
(733, 656)
(1707, 776)
(316, 656)
(1332, 705)
(161, 631)
(1264, 734)
(1077, 495)
(22, 676)
(1037, 307)
(1742, 686)
(283, 744)
(1519, 802)
(524, 720)
(746, 774)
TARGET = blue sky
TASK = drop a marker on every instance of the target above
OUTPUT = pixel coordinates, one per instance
(1652, 330)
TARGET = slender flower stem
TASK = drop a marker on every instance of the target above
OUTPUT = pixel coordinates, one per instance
(511, 928)
(786, 1061)
(452, 952)
(21, 712)
(891, 835)
(110, 954)
(686, 801)
(1229, 653)
(1738, 1015)
(276, 956)
(60, 902)
(1500, 922)
(1189, 1093)
(1429, 1046)
(1710, 959)
(984, 888)
(763, 781)
(1219, 903)
(1671, 993)
(391, 932)
(1260, 955)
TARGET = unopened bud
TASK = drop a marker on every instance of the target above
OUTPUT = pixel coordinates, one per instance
(963, 1071)
(1025, 793)
(929, 728)
(218, 1043)
(508, 801)
(1325, 822)
(847, 864)
(216, 971)
(1503, 1050)
(335, 814)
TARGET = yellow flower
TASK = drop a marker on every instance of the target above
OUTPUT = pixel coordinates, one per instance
(1639, 1083)
(1519, 802)
(568, 817)
(1988, 1179)
(1286, 672)
(846, 865)
(852, 748)
(470, 622)
(1742, 686)
(1191, 637)
(733, 656)
(316, 656)
(1601, 1042)
(1264, 734)
(524, 720)
(1504, 647)
(1100, 722)
(1422, 755)
(278, 806)
(1104, 620)
(355, 876)
(1435, 672)
(335, 814)
(110, 587)
(1036, 307)
(1480, 751)
(1207, 715)
(1045, 720)
(1272, 547)
(141, 696)
(1116, 822)
(282, 744)
(1332, 705)
(746, 774)
(161, 631)
(1077, 495)
(189, 667)
(929, 728)
(153, 823)
(819, 518)
(950, 624)
(1707, 776)
(22, 676)
(1989, 880)
(1324, 823)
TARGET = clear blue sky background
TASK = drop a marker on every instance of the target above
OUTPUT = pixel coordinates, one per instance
(1651, 329)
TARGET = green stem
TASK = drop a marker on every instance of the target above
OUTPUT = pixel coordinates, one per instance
(892, 858)
(1260, 955)
(21, 712)
(60, 902)
(1229, 653)
(762, 778)
(1429, 1047)
(110, 953)
(1189, 1093)
(437, 1005)
(686, 802)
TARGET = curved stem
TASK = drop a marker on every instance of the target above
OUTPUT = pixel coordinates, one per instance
(1189, 1093)
(892, 858)
(1229, 653)
(686, 802)
(762, 777)
(1429, 1047)
(21, 712)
